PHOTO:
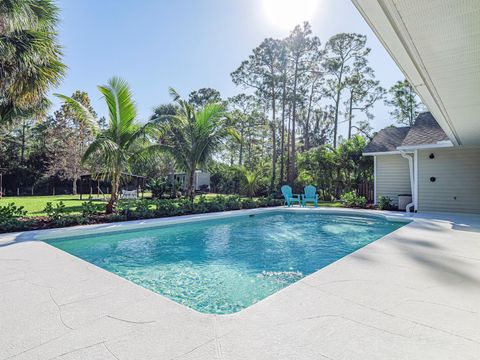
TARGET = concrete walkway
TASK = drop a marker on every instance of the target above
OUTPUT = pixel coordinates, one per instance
(414, 294)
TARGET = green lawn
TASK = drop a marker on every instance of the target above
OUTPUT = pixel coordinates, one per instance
(35, 204)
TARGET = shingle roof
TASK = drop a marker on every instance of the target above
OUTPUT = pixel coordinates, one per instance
(425, 131)
(387, 139)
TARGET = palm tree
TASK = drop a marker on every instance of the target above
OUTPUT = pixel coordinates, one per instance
(252, 179)
(191, 136)
(30, 61)
(123, 143)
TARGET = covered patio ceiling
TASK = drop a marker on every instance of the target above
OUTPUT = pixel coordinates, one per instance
(436, 43)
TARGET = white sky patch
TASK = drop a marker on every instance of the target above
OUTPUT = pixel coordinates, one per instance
(285, 14)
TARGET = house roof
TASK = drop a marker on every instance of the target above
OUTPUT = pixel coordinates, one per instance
(387, 139)
(425, 131)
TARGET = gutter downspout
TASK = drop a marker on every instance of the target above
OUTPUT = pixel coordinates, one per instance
(412, 178)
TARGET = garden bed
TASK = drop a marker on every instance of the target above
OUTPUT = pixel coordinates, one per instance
(14, 218)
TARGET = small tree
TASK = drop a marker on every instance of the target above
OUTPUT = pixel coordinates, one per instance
(122, 143)
(191, 136)
(70, 134)
(252, 180)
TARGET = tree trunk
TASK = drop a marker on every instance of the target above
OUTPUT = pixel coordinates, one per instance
(292, 172)
(306, 135)
(337, 105)
(282, 141)
(22, 150)
(190, 183)
(350, 116)
(274, 141)
(240, 153)
(288, 144)
(74, 186)
(113, 195)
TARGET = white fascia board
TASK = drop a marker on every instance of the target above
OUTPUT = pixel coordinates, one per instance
(387, 24)
(395, 152)
(440, 144)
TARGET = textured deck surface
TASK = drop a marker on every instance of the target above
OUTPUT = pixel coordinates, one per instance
(414, 294)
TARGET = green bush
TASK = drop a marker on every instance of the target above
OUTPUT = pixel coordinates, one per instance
(142, 209)
(233, 202)
(10, 212)
(17, 225)
(159, 187)
(216, 206)
(385, 203)
(165, 207)
(269, 201)
(90, 209)
(69, 220)
(126, 210)
(249, 204)
(352, 200)
(55, 212)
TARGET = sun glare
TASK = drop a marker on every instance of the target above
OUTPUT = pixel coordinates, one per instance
(286, 14)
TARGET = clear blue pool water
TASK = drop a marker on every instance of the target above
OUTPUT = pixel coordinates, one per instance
(223, 266)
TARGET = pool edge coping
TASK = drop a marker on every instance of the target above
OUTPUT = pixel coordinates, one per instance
(50, 234)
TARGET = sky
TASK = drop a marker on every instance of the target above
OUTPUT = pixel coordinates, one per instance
(190, 44)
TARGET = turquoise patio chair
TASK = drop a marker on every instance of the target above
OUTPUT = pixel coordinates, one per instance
(310, 195)
(290, 198)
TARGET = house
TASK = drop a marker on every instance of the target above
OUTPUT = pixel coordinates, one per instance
(201, 180)
(436, 44)
(422, 161)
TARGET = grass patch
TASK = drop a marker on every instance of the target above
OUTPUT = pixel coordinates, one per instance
(34, 205)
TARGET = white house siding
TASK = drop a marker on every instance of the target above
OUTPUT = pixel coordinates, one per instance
(392, 177)
(457, 180)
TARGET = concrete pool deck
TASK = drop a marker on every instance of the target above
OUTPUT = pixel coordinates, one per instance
(413, 294)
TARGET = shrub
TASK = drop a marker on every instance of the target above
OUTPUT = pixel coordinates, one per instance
(142, 209)
(159, 187)
(90, 209)
(10, 212)
(217, 204)
(249, 204)
(114, 218)
(165, 207)
(200, 206)
(55, 212)
(269, 201)
(233, 202)
(16, 224)
(125, 207)
(68, 220)
(352, 200)
(385, 203)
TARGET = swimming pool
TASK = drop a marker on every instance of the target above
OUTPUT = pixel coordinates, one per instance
(224, 265)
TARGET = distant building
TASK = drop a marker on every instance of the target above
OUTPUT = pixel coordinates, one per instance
(201, 180)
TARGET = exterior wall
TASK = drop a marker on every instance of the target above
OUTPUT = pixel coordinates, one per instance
(392, 177)
(457, 184)
(202, 178)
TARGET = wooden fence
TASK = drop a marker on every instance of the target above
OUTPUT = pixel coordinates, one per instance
(367, 190)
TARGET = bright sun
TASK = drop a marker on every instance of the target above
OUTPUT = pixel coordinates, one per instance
(286, 14)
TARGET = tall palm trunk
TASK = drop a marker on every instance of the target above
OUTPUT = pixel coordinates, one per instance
(190, 183)
(113, 195)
